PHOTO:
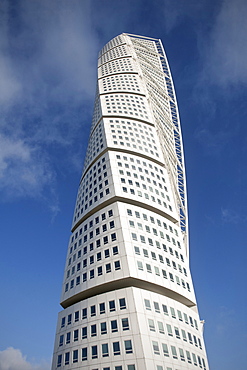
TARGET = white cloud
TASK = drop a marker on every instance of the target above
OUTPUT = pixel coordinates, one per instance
(13, 359)
(23, 169)
(224, 53)
(231, 216)
(48, 71)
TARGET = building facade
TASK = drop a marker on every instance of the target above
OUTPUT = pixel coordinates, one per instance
(128, 299)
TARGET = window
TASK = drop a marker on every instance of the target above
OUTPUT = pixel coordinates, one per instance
(93, 330)
(107, 253)
(63, 322)
(100, 271)
(188, 357)
(115, 250)
(91, 274)
(68, 336)
(174, 352)
(122, 303)
(76, 335)
(75, 356)
(125, 324)
(156, 348)
(184, 335)
(137, 250)
(108, 267)
(165, 350)
(130, 367)
(113, 237)
(61, 340)
(169, 330)
(147, 304)
(102, 308)
(173, 312)
(112, 306)
(128, 346)
(105, 350)
(103, 328)
(59, 360)
(66, 361)
(69, 319)
(94, 352)
(181, 352)
(93, 310)
(140, 265)
(84, 354)
(117, 265)
(84, 332)
(148, 266)
(116, 348)
(161, 327)
(114, 327)
(156, 307)
(151, 325)
(118, 367)
(84, 313)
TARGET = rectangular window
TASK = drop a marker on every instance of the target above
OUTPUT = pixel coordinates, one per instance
(113, 237)
(84, 313)
(68, 336)
(84, 332)
(161, 327)
(84, 354)
(103, 328)
(181, 353)
(151, 325)
(116, 348)
(165, 350)
(59, 360)
(156, 307)
(174, 352)
(76, 335)
(91, 274)
(112, 306)
(69, 319)
(108, 267)
(94, 352)
(93, 310)
(169, 330)
(156, 348)
(147, 304)
(66, 360)
(125, 324)
(128, 346)
(114, 327)
(75, 356)
(63, 322)
(102, 308)
(61, 340)
(122, 303)
(105, 350)
(93, 330)
(100, 271)
(117, 265)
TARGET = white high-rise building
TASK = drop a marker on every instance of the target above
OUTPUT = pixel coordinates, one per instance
(128, 299)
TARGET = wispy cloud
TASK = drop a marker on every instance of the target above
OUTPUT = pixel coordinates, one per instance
(47, 70)
(213, 143)
(224, 52)
(232, 217)
(13, 359)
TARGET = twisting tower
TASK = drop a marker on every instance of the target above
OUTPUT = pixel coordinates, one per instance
(128, 299)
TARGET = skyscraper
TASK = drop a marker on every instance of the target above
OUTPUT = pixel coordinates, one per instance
(128, 299)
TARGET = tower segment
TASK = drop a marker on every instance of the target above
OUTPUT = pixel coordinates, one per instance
(128, 298)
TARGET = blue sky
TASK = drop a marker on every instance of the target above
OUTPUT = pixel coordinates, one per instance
(48, 55)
